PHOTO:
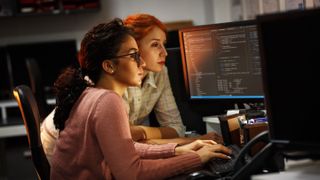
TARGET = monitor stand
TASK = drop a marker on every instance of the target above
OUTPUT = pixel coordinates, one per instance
(237, 110)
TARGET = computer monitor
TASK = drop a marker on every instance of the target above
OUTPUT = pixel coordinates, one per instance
(52, 58)
(221, 62)
(290, 55)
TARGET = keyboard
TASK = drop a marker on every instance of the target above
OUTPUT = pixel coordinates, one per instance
(221, 167)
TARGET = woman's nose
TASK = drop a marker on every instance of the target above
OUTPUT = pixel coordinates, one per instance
(163, 50)
(142, 62)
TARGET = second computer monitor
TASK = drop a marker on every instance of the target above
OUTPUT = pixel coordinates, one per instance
(52, 57)
(222, 62)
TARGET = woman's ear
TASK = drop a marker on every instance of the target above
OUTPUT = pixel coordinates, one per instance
(108, 66)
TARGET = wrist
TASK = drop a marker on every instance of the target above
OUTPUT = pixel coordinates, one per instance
(137, 133)
(151, 132)
(178, 151)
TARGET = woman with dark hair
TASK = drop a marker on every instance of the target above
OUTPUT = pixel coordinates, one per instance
(94, 134)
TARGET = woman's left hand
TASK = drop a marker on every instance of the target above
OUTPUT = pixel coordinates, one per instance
(194, 146)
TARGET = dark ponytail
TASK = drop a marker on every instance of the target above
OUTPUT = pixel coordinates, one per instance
(69, 86)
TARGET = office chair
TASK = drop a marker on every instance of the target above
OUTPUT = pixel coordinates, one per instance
(37, 87)
(31, 118)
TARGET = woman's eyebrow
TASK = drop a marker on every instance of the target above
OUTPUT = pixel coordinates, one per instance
(165, 41)
(132, 49)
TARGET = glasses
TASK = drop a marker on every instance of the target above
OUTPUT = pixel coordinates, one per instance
(136, 56)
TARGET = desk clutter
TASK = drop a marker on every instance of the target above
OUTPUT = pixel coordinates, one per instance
(239, 126)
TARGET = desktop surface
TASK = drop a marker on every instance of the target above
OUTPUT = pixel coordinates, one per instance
(305, 169)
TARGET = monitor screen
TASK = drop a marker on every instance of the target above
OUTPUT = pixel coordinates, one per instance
(290, 56)
(52, 58)
(222, 62)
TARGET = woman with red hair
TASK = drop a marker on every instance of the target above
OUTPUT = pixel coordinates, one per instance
(155, 91)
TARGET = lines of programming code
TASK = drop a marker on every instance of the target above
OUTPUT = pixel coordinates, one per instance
(223, 62)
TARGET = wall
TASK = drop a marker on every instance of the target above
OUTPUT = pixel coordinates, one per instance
(221, 11)
(15, 30)
(28, 29)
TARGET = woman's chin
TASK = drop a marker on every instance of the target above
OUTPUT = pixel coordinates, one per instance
(137, 83)
(157, 69)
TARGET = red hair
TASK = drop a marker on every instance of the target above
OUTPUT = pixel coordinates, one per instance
(142, 24)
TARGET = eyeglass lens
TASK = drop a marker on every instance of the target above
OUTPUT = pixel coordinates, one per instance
(136, 57)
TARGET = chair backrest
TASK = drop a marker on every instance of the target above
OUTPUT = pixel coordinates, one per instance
(31, 118)
(231, 129)
(37, 87)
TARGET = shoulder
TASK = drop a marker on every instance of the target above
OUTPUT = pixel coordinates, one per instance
(104, 94)
(98, 93)
(107, 97)
(102, 101)
(100, 97)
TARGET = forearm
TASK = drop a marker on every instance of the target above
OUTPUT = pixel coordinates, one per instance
(182, 141)
(144, 132)
(151, 151)
(137, 133)
(179, 141)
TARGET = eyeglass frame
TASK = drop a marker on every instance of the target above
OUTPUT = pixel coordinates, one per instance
(136, 56)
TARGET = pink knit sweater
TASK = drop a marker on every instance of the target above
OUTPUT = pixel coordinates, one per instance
(96, 144)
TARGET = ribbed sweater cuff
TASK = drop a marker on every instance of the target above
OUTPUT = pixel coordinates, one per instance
(191, 162)
(156, 151)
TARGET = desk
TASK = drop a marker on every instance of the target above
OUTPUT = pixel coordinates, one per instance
(4, 104)
(11, 103)
(295, 170)
(12, 131)
(9, 127)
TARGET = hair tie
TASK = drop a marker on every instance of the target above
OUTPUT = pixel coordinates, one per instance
(88, 80)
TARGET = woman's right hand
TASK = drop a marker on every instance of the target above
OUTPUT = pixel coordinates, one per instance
(213, 151)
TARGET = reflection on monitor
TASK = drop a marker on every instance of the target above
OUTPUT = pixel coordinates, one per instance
(221, 61)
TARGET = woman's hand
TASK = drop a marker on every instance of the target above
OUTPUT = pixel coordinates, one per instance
(193, 147)
(212, 136)
(206, 149)
(214, 151)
